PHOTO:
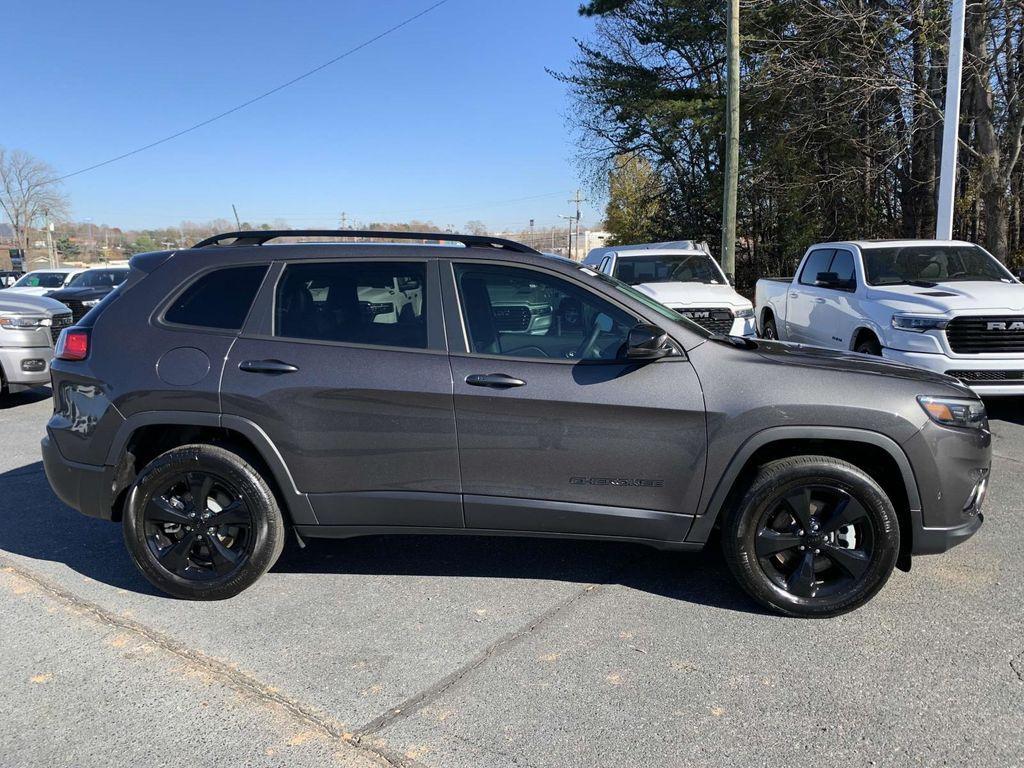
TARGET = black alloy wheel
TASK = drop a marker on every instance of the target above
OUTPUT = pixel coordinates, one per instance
(812, 536)
(198, 526)
(815, 540)
(769, 331)
(202, 523)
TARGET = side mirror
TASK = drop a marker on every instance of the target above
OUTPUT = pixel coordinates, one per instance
(730, 278)
(827, 280)
(647, 342)
(1019, 272)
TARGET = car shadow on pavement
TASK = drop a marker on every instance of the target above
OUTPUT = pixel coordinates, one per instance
(1005, 409)
(27, 397)
(35, 525)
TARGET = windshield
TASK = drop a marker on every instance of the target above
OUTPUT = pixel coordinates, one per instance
(931, 264)
(99, 278)
(650, 303)
(668, 268)
(41, 280)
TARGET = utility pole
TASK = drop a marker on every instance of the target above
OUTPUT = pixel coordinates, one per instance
(732, 142)
(51, 250)
(235, 211)
(533, 243)
(577, 198)
(568, 233)
(343, 221)
(951, 123)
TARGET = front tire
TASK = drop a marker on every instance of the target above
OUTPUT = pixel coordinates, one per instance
(813, 536)
(869, 346)
(202, 524)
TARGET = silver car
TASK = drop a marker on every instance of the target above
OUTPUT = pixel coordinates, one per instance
(29, 327)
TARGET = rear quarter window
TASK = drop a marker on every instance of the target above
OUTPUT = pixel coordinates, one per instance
(220, 299)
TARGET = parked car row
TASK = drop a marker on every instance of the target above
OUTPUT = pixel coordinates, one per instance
(33, 311)
(345, 389)
(948, 307)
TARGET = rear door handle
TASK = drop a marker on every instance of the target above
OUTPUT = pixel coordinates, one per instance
(266, 366)
(493, 380)
(819, 300)
(794, 295)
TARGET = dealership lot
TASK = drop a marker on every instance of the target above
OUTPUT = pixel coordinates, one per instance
(494, 652)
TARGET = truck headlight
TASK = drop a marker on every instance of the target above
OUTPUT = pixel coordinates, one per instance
(23, 322)
(919, 323)
(955, 411)
(745, 313)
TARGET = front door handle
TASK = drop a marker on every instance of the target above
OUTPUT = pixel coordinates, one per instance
(819, 300)
(493, 380)
(266, 366)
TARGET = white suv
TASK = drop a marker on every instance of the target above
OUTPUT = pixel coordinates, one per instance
(43, 281)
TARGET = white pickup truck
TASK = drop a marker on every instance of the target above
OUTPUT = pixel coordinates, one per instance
(683, 276)
(947, 306)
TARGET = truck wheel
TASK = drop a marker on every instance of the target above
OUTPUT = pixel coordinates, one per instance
(869, 346)
(813, 536)
(769, 331)
(202, 524)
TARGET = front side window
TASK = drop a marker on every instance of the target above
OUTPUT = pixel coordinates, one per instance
(524, 313)
(817, 263)
(931, 264)
(220, 299)
(380, 303)
(670, 268)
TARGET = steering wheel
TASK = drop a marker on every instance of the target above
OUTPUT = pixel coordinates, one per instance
(601, 323)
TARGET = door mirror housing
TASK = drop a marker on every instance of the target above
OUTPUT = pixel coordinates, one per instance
(827, 280)
(647, 342)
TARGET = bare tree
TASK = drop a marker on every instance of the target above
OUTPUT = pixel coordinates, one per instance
(28, 192)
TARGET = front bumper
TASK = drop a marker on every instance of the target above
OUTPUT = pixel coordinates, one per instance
(25, 367)
(85, 487)
(941, 363)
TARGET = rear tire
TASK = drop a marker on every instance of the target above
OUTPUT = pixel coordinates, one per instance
(769, 330)
(813, 536)
(202, 524)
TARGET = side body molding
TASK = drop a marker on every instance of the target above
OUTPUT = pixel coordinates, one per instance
(712, 507)
(297, 502)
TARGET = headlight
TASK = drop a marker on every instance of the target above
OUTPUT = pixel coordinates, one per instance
(955, 411)
(919, 323)
(23, 322)
(742, 313)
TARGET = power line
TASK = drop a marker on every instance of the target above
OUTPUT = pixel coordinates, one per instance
(262, 96)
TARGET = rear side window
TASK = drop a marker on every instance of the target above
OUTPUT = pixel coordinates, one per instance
(358, 302)
(817, 263)
(219, 299)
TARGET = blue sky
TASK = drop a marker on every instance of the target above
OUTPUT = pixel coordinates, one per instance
(447, 119)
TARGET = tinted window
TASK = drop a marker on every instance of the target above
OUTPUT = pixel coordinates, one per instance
(842, 265)
(523, 313)
(817, 262)
(381, 303)
(220, 299)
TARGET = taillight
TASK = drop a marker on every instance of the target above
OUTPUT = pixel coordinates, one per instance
(72, 344)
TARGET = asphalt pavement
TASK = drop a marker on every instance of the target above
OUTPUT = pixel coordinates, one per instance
(474, 652)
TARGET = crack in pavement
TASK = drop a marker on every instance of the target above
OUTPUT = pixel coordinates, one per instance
(1017, 665)
(419, 700)
(232, 677)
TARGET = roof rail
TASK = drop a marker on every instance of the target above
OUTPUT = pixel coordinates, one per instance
(261, 236)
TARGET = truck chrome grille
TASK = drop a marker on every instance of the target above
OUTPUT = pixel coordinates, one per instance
(989, 377)
(987, 333)
(715, 319)
(58, 323)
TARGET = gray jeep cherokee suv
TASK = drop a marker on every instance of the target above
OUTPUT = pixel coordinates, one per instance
(225, 393)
